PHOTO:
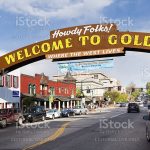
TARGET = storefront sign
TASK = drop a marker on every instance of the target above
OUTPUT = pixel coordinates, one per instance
(87, 41)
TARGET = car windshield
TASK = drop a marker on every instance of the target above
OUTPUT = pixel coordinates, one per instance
(31, 110)
(132, 104)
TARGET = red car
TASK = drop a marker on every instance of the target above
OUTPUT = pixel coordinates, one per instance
(11, 115)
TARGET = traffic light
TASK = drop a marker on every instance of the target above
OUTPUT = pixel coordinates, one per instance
(133, 89)
(88, 91)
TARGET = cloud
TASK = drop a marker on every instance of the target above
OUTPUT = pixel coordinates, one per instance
(61, 9)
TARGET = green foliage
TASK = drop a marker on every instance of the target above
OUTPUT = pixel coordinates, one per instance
(116, 96)
(135, 94)
(28, 101)
(148, 85)
(79, 93)
(148, 91)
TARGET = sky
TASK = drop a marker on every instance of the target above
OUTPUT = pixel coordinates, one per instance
(27, 21)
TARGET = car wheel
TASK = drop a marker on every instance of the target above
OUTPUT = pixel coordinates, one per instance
(53, 117)
(80, 113)
(147, 135)
(43, 118)
(128, 111)
(20, 121)
(4, 123)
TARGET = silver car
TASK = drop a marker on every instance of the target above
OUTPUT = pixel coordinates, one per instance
(53, 113)
(80, 110)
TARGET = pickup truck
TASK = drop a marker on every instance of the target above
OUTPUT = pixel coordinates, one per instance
(80, 110)
(10, 115)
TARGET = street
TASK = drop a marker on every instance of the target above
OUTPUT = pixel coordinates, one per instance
(109, 129)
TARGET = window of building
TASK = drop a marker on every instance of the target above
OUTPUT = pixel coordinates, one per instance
(8, 81)
(1, 81)
(33, 89)
(65, 91)
(30, 88)
(95, 76)
(15, 81)
(59, 89)
(52, 91)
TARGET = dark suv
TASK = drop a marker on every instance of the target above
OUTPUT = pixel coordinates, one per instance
(133, 107)
(35, 113)
(10, 115)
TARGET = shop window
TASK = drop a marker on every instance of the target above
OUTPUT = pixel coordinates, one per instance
(15, 81)
(1, 81)
(8, 81)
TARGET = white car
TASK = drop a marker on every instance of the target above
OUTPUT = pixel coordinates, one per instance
(79, 110)
(53, 113)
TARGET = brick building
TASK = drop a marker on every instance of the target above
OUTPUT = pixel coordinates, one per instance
(48, 93)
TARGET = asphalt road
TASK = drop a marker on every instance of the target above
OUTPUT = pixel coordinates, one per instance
(102, 137)
(113, 129)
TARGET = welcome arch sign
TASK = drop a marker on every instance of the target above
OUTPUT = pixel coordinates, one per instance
(86, 41)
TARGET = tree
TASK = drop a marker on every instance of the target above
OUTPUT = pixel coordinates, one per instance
(148, 85)
(135, 94)
(113, 95)
(122, 98)
(79, 93)
(130, 87)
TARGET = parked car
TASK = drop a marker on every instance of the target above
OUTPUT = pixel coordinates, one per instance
(67, 112)
(80, 110)
(133, 107)
(123, 104)
(52, 113)
(147, 118)
(10, 115)
(35, 113)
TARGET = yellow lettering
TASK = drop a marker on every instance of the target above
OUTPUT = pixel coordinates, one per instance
(95, 40)
(19, 55)
(68, 42)
(83, 39)
(10, 58)
(26, 53)
(45, 47)
(126, 39)
(146, 39)
(57, 46)
(136, 40)
(34, 48)
(112, 39)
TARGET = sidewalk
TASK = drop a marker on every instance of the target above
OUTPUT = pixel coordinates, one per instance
(102, 109)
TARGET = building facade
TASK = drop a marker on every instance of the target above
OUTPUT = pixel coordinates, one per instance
(48, 93)
(10, 90)
(94, 85)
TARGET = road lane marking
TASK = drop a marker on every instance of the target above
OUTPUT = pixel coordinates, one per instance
(57, 133)
(118, 115)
